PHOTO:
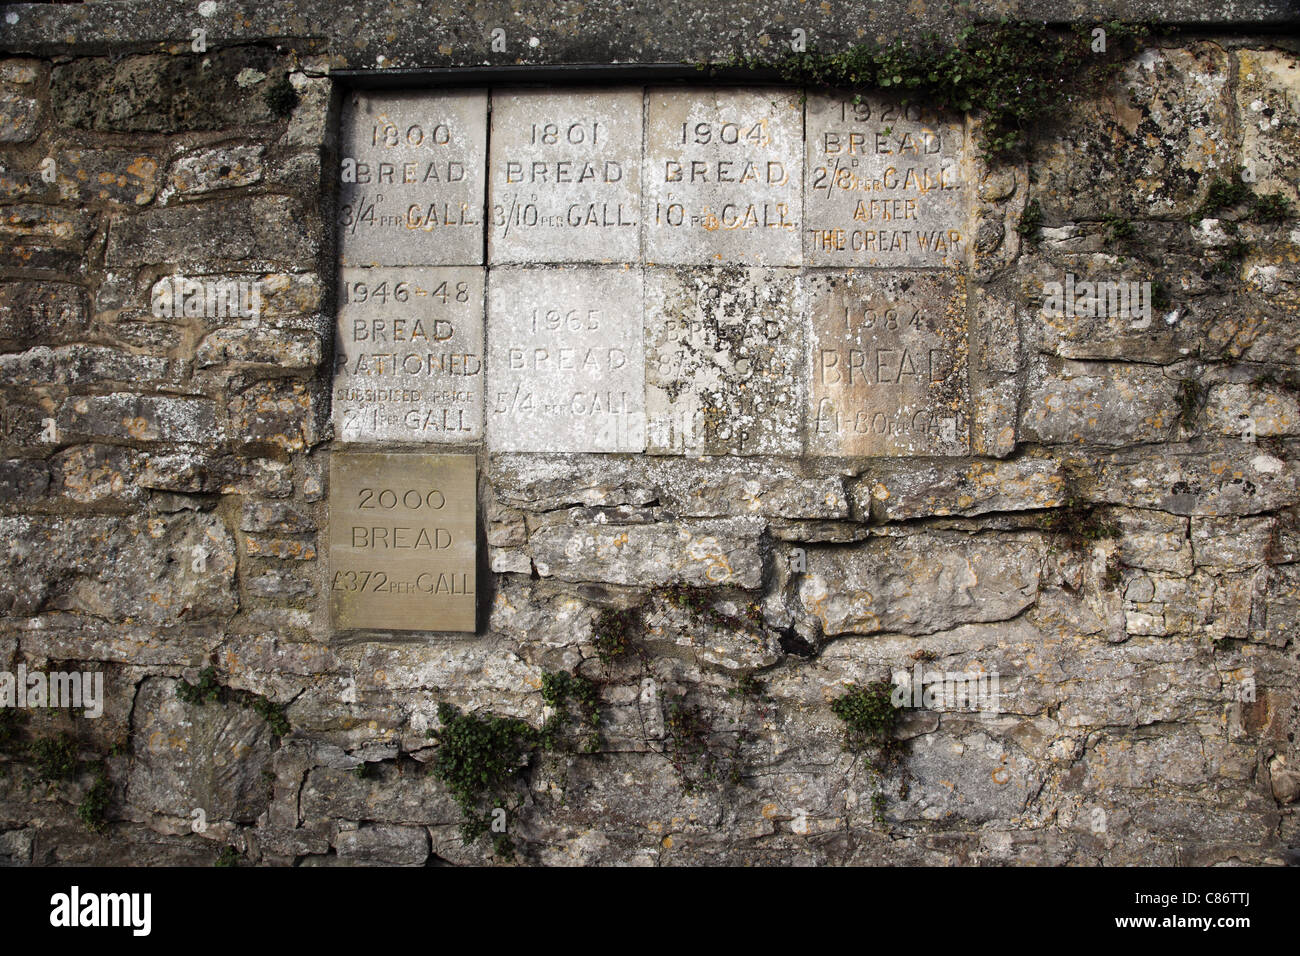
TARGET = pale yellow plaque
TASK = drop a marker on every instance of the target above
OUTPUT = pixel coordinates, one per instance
(402, 542)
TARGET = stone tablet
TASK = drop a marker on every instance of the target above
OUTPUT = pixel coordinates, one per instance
(724, 361)
(888, 364)
(566, 177)
(884, 185)
(402, 542)
(566, 365)
(409, 355)
(721, 182)
(413, 170)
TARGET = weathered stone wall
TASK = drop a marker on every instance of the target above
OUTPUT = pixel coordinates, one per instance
(1109, 542)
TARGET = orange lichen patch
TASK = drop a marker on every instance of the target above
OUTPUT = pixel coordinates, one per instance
(280, 548)
(142, 168)
(139, 428)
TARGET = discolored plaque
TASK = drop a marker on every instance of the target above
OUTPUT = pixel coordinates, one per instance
(402, 542)
(888, 364)
(885, 184)
(724, 361)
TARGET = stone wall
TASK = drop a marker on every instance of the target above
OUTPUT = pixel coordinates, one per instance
(1113, 531)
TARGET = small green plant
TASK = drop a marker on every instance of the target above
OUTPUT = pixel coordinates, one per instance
(1233, 254)
(94, 805)
(559, 689)
(1114, 573)
(868, 713)
(11, 724)
(56, 757)
(692, 747)
(1159, 296)
(363, 771)
(280, 96)
(870, 722)
(1227, 194)
(878, 804)
(698, 602)
(613, 630)
(477, 756)
(228, 856)
(695, 600)
(1117, 228)
(210, 690)
(1031, 220)
(206, 691)
(1191, 396)
(1224, 193)
(747, 686)
(273, 714)
(1018, 75)
(1077, 521)
(1271, 208)
(924, 654)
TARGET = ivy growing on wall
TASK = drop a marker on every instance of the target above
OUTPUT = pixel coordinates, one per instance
(1018, 75)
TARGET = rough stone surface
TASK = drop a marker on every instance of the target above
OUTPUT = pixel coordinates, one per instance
(919, 584)
(724, 361)
(700, 554)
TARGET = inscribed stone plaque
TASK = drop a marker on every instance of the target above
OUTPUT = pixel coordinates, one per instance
(413, 170)
(884, 185)
(722, 179)
(566, 365)
(724, 361)
(566, 177)
(888, 363)
(402, 541)
(409, 355)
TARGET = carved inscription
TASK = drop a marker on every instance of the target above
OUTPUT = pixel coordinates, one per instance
(566, 365)
(884, 185)
(566, 177)
(710, 271)
(888, 364)
(412, 174)
(402, 542)
(724, 361)
(722, 177)
(409, 355)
